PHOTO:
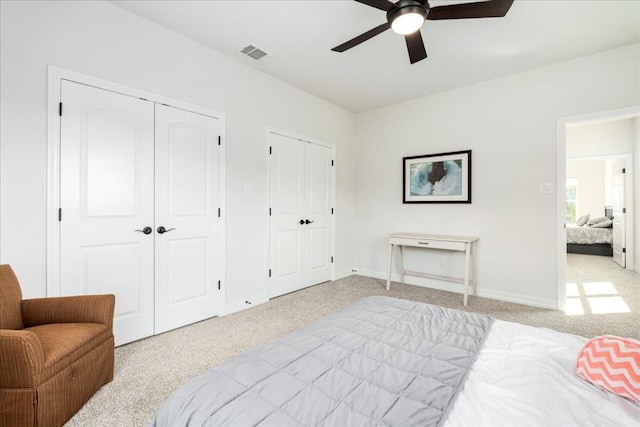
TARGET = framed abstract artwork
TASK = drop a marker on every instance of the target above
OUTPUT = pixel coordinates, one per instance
(437, 178)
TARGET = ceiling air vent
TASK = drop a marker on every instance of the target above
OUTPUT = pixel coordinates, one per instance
(253, 52)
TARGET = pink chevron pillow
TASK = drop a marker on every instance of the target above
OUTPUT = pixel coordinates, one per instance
(613, 364)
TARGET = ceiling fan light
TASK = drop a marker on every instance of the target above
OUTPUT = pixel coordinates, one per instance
(407, 23)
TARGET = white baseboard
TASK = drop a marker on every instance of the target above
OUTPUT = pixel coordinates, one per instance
(343, 274)
(459, 288)
(518, 298)
(412, 280)
(244, 304)
(255, 300)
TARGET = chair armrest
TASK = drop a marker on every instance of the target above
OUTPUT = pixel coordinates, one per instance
(74, 309)
(22, 359)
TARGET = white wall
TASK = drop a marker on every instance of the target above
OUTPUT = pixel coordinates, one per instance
(104, 41)
(511, 125)
(591, 186)
(600, 138)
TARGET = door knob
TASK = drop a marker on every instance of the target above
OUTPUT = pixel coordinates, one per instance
(306, 221)
(146, 230)
(301, 221)
(162, 230)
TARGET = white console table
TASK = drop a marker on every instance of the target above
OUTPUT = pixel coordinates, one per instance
(464, 244)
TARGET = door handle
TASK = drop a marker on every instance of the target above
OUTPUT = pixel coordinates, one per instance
(146, 230)
(162, 230)
(301, 221)
(306, 221)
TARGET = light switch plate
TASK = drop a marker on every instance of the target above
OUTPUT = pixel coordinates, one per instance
(546, 188)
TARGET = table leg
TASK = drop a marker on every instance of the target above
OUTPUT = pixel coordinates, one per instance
(474, 271)
(401, 264)
(467, 271)
(390, 259)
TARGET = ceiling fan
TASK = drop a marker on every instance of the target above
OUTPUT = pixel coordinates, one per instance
(406, 17)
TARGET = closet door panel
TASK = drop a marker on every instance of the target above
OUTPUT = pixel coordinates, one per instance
(286, 240)
(106, 194)
(187, 270)
(319, 250)
(188, 254)
(103, 278)
(110, 163)
(319, 196)
(189, 162)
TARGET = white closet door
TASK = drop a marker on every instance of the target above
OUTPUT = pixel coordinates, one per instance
(287, 211)
(300, 230)
(188, 255)
(106, 194)
(619, 215)
(318, 201)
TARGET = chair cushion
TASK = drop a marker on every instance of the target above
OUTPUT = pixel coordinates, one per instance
(64, 343)
(10, 300)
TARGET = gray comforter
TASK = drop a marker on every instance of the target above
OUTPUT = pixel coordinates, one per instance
(379, 362)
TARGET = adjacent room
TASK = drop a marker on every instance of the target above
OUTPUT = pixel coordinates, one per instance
(319, 213)
(599, 187)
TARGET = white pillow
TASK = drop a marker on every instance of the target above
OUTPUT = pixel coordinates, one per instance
(603, 224)
(582, 220)
(597, 220)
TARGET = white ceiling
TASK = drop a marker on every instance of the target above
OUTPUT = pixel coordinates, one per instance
(298, 36)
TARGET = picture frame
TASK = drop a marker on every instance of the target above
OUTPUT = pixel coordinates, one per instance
(437, 178)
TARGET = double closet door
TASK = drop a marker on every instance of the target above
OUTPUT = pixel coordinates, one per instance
(139, 209)
(301, 188)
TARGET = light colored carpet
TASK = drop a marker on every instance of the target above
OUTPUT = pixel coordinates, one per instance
(608, 295)
(148, 371)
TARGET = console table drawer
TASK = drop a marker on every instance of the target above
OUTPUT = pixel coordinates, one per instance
(428, 243)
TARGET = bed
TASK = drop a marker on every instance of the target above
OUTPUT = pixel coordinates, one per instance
(389, 362)
(589, 239)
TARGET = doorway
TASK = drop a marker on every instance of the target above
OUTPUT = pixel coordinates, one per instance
(601, 144)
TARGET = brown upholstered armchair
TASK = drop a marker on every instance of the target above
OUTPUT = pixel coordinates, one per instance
(54, 353)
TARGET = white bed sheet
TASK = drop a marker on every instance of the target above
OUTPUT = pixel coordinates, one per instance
(524, 376)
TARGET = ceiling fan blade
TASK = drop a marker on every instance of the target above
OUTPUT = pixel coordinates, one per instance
(415, 46)
(378, 4)
(362, 37)
(481, 9)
